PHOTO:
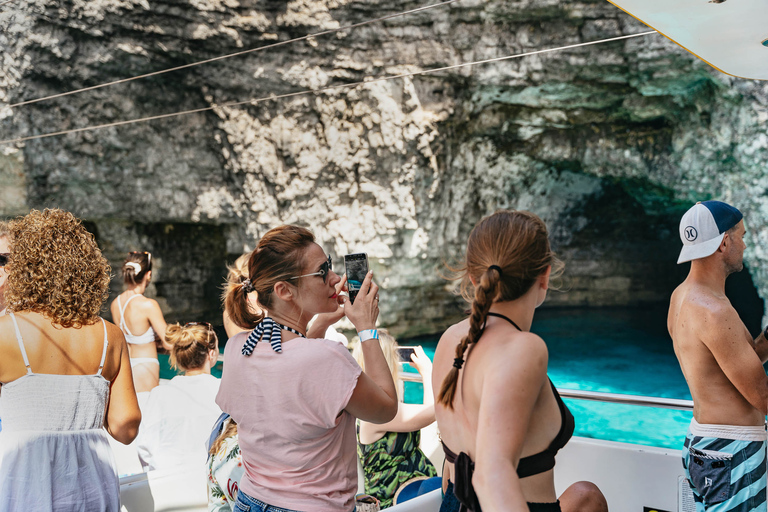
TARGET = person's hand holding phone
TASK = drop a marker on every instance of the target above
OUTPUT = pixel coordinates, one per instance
(365, 310)
(420, 360)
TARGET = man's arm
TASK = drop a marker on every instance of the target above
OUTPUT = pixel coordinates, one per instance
(722, 331)
(761, 347)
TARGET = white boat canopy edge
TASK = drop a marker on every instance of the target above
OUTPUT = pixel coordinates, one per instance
(729, 35)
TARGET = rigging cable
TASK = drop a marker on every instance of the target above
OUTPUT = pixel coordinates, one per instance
(322, 89)
(236, 54)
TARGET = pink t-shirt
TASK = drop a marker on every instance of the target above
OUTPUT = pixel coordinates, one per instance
(298, 443)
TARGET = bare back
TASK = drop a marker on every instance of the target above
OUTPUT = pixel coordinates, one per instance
(718, 357)
(139, 313)
(514, 420)
(74, 351)
(53, 350)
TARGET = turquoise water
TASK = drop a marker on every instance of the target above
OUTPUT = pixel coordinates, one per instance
(608, 350)
(613, 351)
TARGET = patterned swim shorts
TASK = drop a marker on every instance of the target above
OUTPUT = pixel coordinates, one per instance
(725, 466)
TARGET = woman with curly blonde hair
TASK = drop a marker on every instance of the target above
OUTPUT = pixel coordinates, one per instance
(64, 371)
(134, 312)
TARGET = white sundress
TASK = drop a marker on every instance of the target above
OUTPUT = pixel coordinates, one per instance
(54, 451)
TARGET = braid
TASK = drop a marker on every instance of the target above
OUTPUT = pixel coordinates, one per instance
(485, 294)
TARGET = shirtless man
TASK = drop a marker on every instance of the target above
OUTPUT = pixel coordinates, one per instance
(725, 448)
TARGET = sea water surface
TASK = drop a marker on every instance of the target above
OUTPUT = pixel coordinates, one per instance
(626, 351)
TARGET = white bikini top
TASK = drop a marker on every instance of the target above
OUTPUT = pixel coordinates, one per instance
(147, 337)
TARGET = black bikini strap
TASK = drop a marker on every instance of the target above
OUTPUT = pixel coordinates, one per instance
(507, 319)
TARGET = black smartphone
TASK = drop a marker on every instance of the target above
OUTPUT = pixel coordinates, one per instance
(404, 354)
(356, 267)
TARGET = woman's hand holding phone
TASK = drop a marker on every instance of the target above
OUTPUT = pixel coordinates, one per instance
(365, 310)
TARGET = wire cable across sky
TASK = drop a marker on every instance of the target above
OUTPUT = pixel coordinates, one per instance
(236, 54)
(322, 89)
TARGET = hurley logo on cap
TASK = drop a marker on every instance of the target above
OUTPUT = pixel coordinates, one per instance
(703, 227)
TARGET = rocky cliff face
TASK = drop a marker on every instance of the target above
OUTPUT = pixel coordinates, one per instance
(608, 143)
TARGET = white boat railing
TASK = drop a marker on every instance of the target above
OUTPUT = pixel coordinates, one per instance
(597, 396)
(615, 398)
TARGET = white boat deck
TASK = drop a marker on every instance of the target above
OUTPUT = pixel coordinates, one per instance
(633, 478)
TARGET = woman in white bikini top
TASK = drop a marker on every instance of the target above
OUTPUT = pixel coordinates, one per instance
(135, 314)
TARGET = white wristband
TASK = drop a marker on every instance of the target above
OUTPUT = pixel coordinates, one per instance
(368, 334)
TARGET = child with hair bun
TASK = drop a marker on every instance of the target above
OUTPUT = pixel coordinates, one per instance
(178, 415)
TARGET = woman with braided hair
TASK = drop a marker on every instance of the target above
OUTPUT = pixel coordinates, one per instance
(135, 313)
(500, 417)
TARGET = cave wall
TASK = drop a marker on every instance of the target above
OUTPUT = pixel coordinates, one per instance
(188, 264)
(609, 144)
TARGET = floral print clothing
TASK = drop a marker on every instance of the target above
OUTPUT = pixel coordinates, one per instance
(225, 470)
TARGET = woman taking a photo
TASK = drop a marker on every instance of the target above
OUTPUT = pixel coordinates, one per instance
(135, 313)
(500, 417)
(293, 394)
(390, 452)
(65, 372)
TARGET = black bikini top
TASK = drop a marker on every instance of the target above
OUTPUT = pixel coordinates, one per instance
(527, 466)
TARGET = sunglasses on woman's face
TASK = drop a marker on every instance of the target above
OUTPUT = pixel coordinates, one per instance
(325, 269)
(4, 258)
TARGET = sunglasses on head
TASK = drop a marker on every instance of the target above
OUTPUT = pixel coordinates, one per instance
(149, 255)
(4, 258)
(325, 269)
(204, 324)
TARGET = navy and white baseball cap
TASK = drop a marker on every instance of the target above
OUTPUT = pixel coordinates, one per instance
(703, 227)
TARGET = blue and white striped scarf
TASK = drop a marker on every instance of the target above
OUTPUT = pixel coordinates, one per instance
(269, 330)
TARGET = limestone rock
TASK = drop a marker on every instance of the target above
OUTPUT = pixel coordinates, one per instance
(608, 143)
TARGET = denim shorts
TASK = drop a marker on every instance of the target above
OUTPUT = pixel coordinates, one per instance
(245, 503)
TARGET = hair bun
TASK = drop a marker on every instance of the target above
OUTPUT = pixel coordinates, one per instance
(173, 333)
(135, 266)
